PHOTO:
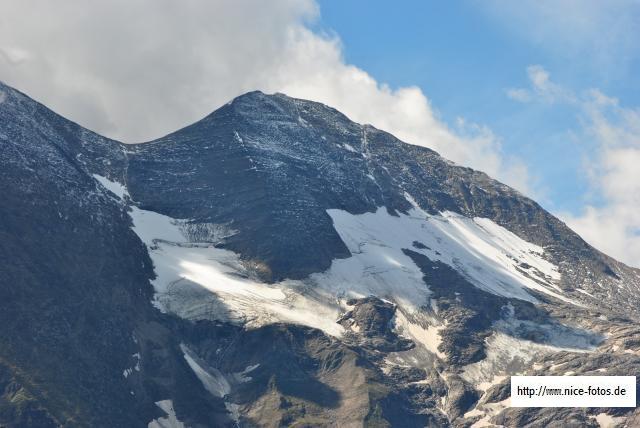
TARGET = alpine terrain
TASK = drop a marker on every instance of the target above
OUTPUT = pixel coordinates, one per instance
(276, 264)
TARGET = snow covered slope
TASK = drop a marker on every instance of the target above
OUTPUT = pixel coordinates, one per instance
(487, 254)
(196, 280)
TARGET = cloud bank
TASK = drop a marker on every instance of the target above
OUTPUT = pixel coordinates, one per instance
(614, 226)
(136, 70)
(542, 88)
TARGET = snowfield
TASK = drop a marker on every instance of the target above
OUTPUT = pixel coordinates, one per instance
(198, 281)
(488, 255)
(114, 187)
(171, 421)
(214, 381)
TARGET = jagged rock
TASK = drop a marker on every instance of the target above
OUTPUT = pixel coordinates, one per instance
(370, 320)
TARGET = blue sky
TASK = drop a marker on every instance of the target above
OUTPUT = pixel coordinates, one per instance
(464, 57)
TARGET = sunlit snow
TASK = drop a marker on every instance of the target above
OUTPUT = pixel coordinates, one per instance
(185, 270)
(429, 336)
(490, 256)
(217, 383)
(116, 188)
(199, 281)
(171, 421)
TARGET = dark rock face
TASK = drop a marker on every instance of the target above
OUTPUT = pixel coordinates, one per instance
(471, 313)
(82, 345)
(57, 230)
(74, 282)
(293, 375)
(372, 319)
(371, 315)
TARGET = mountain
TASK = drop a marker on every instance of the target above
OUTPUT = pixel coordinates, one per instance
(276, 264)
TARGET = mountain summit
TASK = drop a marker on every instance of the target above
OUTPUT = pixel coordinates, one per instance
(276, 264)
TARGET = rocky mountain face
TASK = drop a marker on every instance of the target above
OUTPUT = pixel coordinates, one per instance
(276, 264)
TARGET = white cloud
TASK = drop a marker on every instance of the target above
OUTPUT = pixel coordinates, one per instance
(542, 88)
(135, 70)
(519, 94)
(13, 55)
(614, 225)
(139, 69)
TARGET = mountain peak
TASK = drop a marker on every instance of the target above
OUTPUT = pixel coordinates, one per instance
(221, 266)
(257, 105)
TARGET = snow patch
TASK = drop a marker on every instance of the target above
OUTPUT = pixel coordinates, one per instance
(608, 421)
(238, 137)
(429, 337)
(506, 355)
(114, 187)
(3, 97)
(349, 147)
(586, 292)
(152, 227)
(211, 378)
(128, 371)
(488, 255)
(197, 280)
(377, 265)
(216, 382)
(171, 421)
(489, 410)
(242, 376)
(496, 380)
